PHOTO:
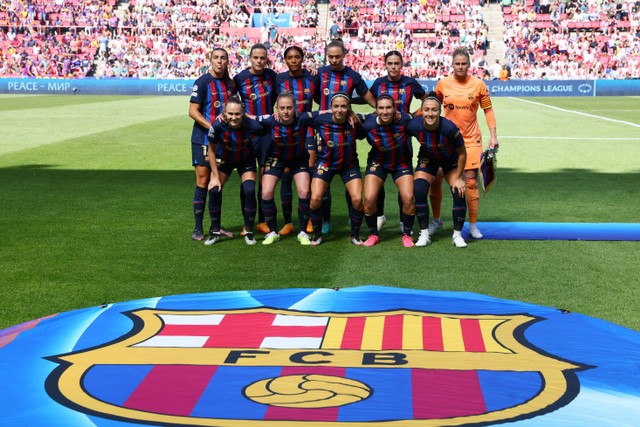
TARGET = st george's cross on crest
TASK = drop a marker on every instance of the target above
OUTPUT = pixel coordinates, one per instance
(284, 368)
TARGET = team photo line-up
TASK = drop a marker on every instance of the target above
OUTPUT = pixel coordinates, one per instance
(260, 116)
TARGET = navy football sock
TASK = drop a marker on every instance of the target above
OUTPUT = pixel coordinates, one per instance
(421, 192)
(199, 200)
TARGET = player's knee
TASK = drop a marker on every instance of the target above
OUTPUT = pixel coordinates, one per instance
(316, 201)
(370, 202)
(249, 188)
(303, 193)
(471, 183)
(267, 193)
(356, 202)
(408, 205)
(458, 201)
(421, 189)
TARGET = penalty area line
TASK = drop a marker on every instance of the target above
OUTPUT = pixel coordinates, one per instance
(577, 112)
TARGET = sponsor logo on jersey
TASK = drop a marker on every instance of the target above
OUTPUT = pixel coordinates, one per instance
(261, 367)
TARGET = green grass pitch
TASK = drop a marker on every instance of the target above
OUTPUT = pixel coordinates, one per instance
(95, 206)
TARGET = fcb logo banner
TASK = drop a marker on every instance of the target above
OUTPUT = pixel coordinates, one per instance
(361, 356)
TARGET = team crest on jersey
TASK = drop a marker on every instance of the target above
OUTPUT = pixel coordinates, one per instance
(343, 82)
(330, 144)
(253, 96)
(217, 104)
(326, 91)
(402, 91)
(383, 149)
(263, 367)
(423, 162)
(306, 91)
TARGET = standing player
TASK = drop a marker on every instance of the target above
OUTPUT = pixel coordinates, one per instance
(403, 90)
(231, 147)
(256, 87)
(287, 151)
(209, 94)
(390, 153)
(441, 146)
(302, 84)
(461, 95)
(338, 78)
(337, 155)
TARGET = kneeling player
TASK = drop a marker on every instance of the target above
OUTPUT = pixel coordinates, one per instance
(441, 146)
(337, 155)
(287, 150)
(231, 147)
(390, 154)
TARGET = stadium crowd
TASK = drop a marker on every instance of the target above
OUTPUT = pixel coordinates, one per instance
(557, 39)
(572, 39)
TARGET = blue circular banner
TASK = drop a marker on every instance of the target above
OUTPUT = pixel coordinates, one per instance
(360, 356)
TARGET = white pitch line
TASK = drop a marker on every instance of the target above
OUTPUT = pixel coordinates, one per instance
(569, 138)
(577, 112)
(618, 111)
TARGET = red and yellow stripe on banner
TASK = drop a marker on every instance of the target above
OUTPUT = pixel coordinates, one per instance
(413, 332)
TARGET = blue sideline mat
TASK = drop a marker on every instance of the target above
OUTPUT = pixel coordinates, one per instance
(557, 231)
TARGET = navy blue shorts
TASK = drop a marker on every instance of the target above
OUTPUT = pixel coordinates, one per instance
(328, 174)
(431, 166)
(276, 168)
(381, 172)
(226, 167)
(199, 155)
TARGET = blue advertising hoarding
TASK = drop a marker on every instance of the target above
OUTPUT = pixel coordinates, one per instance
(116, 86)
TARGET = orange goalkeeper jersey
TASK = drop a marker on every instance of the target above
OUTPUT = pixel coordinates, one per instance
(461, 102)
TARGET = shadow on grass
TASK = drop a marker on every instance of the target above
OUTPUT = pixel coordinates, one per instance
(569, 195)
(74, 238)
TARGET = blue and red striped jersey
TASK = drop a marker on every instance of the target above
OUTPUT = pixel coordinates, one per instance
(347, 80)
(390, 144)
(404, 91)
(303, 88)
(210, 93)
(438, 144)
(337, 146)
(256, 91)
(235, 146)
(287, 142)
